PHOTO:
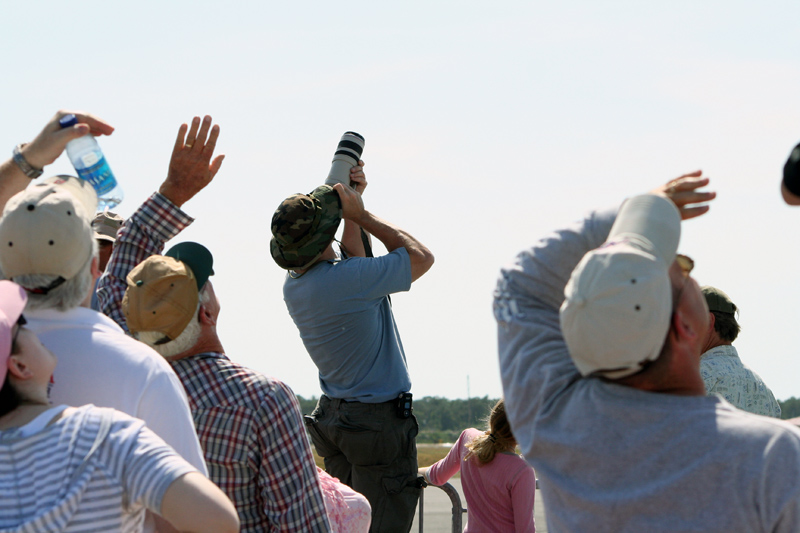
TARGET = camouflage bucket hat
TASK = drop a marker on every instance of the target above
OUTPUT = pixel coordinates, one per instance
(303, 226)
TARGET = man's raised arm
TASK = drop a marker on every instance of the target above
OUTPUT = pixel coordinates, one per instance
(390, 235)
(159, 218)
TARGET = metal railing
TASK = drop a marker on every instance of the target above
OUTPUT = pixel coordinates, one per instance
(455, 499)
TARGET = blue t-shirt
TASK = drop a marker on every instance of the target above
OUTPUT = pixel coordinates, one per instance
(346, 323)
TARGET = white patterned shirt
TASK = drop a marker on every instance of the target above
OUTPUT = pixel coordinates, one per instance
(724, 374)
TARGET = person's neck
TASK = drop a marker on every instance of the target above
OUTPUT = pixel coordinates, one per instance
(677, 374)
(714, 341)
(23, 414)
(207, 342)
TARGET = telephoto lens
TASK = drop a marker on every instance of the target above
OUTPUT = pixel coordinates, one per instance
(346, 157)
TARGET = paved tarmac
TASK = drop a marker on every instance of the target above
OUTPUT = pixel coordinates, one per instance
(438, 516)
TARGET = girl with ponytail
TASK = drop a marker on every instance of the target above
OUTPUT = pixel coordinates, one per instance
(498, 484)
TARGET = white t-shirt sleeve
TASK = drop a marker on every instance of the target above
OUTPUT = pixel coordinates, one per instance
(165, 409)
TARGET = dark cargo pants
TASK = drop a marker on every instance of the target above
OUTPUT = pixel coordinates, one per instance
(373, 451)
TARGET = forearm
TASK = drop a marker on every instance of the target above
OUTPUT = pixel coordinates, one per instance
(441, 471)
(393, 238)
(193, 503)
(12, 181)
(351, 239)
(45, 148)
(144, 234)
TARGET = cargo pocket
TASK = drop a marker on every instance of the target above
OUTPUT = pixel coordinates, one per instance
(361, 440)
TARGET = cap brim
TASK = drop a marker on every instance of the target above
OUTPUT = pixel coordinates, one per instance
(653, 219)
(13, 300)
(12, 303)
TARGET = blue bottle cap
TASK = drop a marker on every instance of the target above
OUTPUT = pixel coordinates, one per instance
(68, 120)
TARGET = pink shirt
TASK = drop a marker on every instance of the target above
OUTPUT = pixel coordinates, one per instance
(499, 495)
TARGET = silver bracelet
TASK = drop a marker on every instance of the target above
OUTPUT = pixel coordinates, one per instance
(23, 164)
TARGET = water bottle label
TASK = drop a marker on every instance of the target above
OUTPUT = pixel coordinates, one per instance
(99, 176)
(90, 159)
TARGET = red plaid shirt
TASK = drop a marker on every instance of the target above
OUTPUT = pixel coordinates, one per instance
(249, 425)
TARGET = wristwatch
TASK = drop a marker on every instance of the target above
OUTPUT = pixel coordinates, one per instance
(23, 164)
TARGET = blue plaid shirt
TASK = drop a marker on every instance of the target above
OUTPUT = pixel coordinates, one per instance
(249, 425)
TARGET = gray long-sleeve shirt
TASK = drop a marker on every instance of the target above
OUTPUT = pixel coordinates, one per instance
(614, 458)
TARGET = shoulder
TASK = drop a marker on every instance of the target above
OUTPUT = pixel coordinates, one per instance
(396, 258)
(469, 434)
(117, 421)
(107, 428)
(277, 394)
(225, 379)
(770, 433)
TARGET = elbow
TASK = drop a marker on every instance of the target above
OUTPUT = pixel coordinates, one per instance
(233, 525)
(421, 262)
(227, 522)
(428, 259)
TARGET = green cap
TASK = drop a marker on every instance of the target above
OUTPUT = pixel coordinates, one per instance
(303, 226)
(718, 300)
(197, 257)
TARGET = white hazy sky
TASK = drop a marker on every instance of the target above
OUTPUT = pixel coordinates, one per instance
(487, 125)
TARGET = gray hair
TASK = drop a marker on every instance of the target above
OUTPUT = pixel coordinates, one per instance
(188, 337)
(66, 296)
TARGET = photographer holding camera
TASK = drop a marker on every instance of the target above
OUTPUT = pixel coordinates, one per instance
(362, 426)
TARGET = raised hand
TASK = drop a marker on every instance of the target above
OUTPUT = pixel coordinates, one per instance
(51, 141)
(684, 194)
(191, 167)
(358, 180)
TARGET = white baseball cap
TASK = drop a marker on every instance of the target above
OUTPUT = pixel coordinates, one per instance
(618, 301)
(46, 229)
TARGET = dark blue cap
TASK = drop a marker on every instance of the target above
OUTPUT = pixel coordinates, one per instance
(197, 257)
(68, 120)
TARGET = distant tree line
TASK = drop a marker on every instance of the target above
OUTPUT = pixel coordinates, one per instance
(790, 408)
(440, 419)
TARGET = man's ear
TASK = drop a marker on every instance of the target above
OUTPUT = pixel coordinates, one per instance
(711, 321)
(683, 328)
(96, 268)
(18, 368)
(205, 317)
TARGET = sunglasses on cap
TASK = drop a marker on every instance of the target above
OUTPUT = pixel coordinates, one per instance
(686, 263)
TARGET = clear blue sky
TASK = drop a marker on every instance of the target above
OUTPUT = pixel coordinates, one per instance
(487, 125)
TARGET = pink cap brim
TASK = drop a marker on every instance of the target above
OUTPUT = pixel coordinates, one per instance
(12, 303)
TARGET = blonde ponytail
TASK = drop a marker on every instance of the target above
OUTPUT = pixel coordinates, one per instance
(497, 439)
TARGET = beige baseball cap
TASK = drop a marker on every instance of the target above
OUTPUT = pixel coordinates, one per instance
(162, 295)
(46, 229)
(618, 301)
(106, 225)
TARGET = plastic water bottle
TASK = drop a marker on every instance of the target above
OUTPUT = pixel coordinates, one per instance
(91, 165)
